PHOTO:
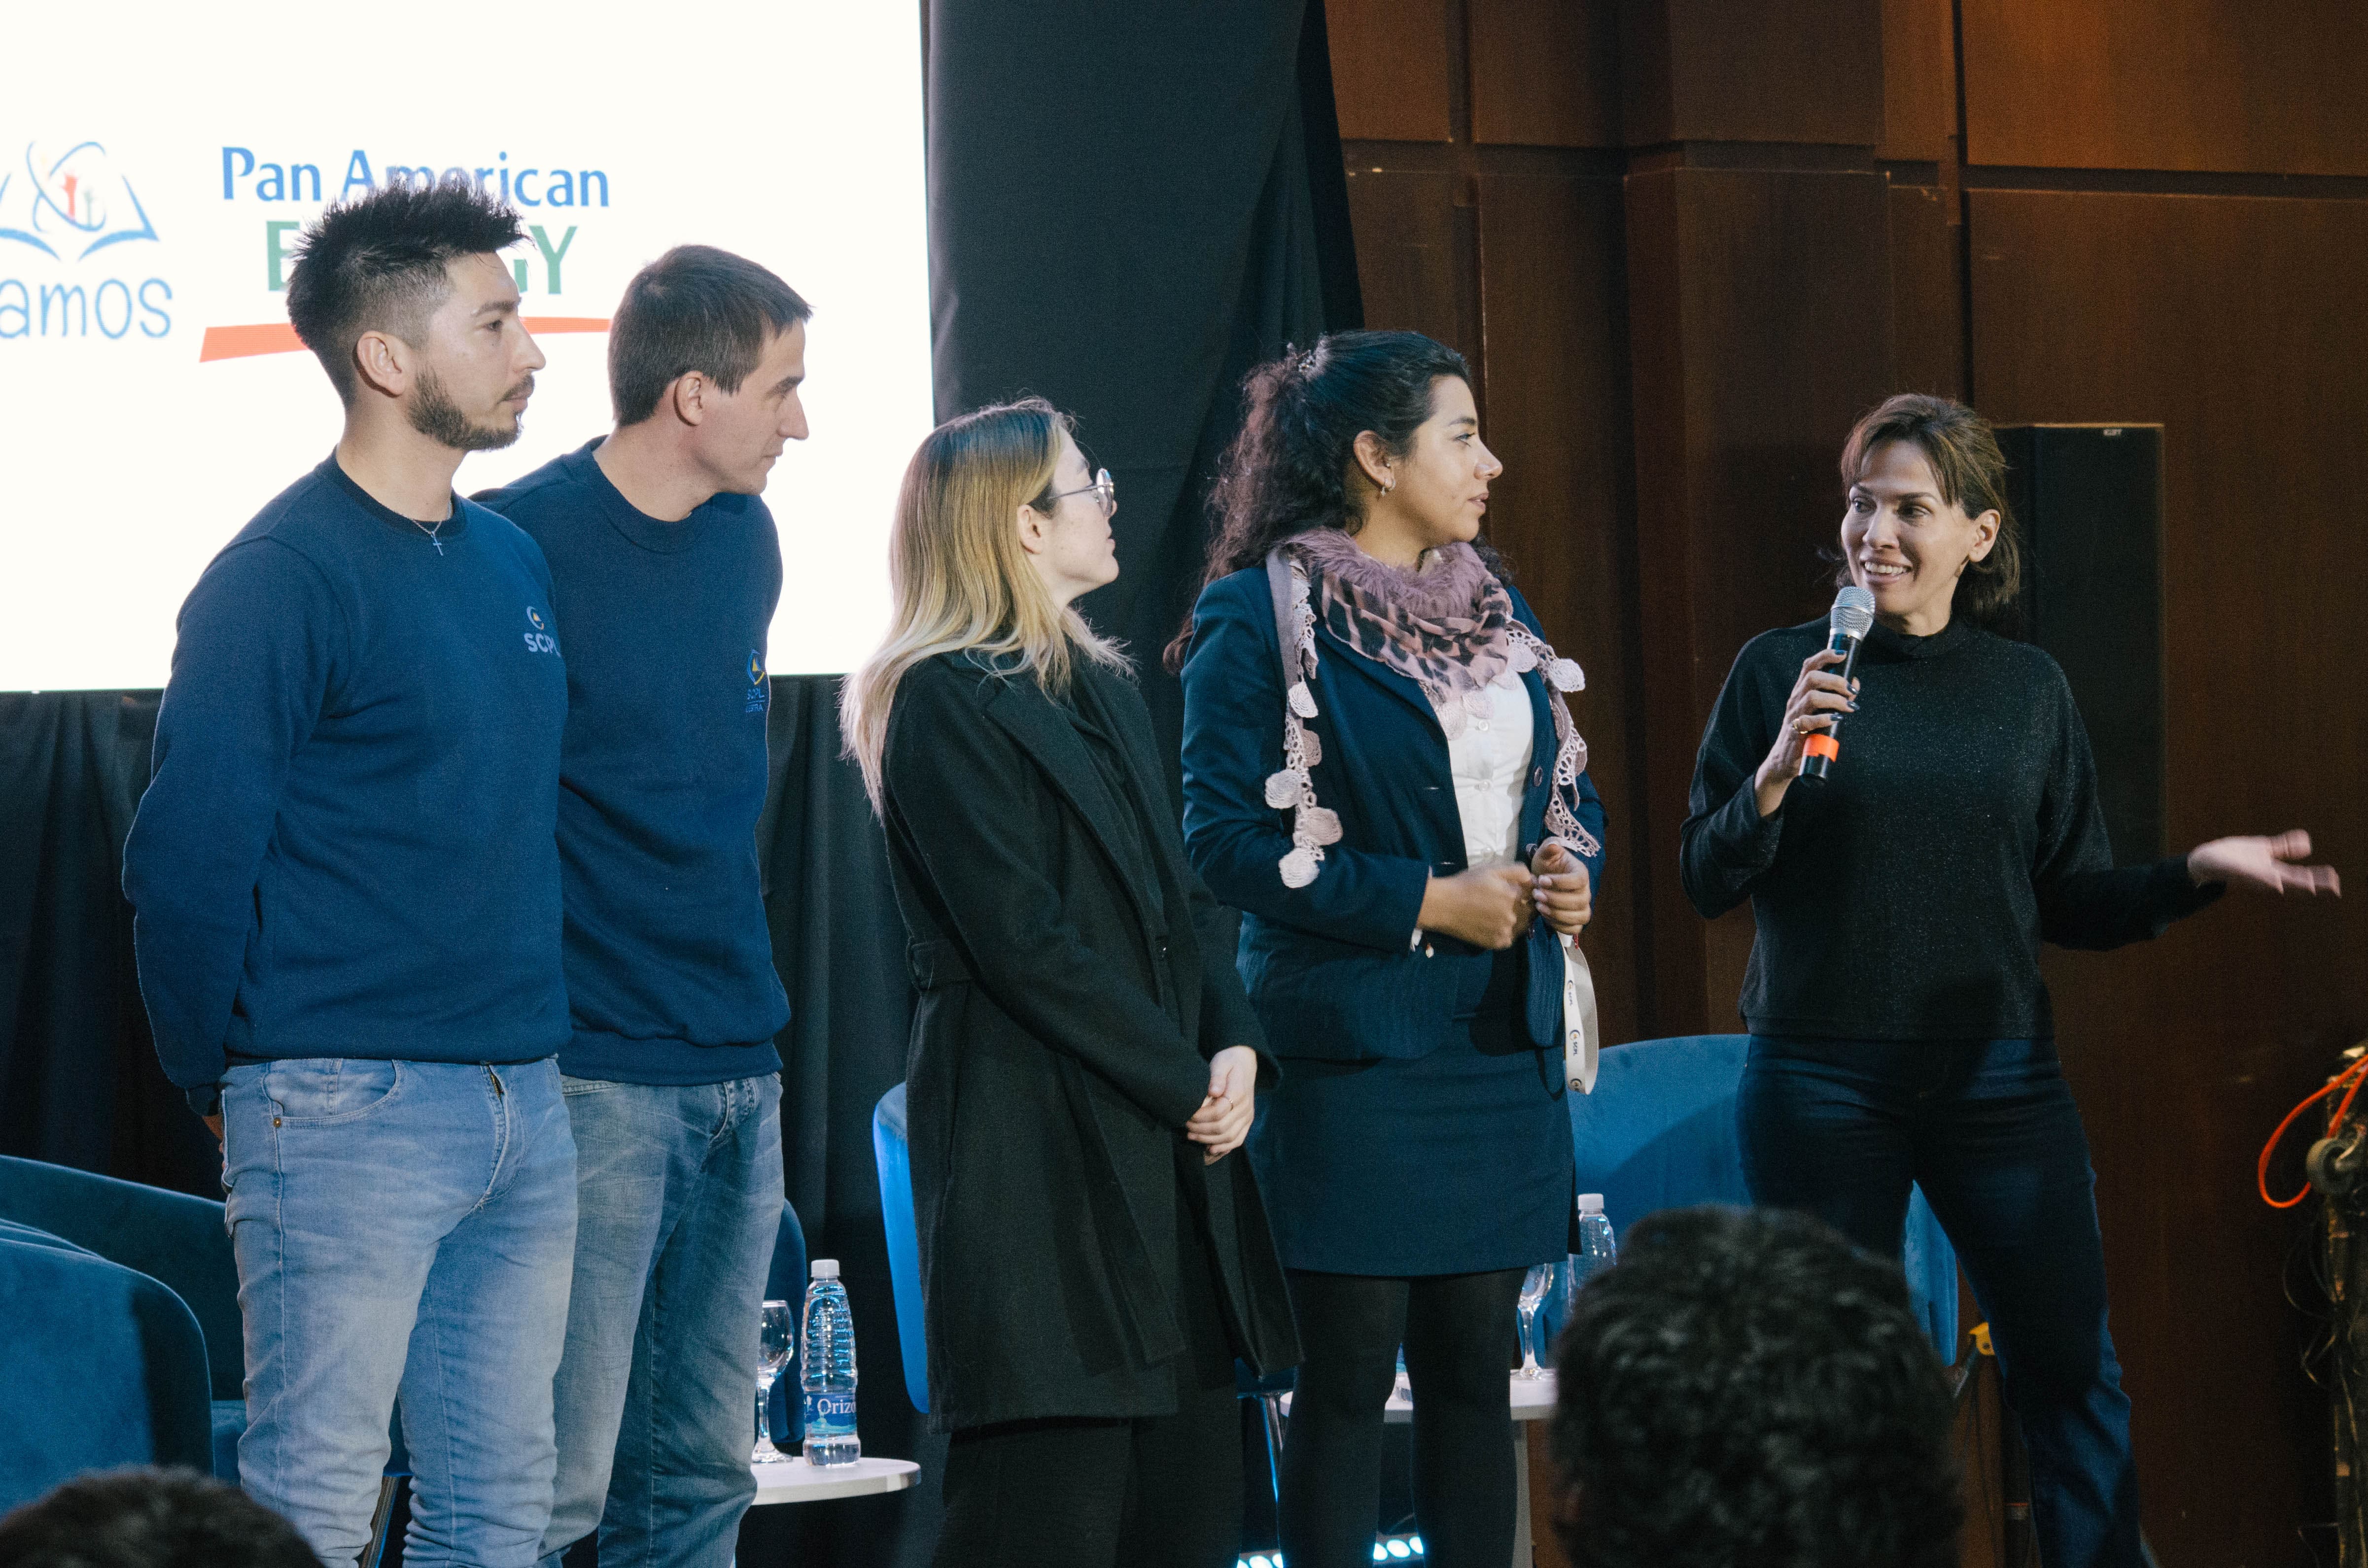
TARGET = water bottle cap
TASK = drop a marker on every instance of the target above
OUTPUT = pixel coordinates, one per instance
(825, 1269)
(1590, 1204)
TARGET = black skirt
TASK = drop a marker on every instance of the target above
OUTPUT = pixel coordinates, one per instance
(1455, 1161)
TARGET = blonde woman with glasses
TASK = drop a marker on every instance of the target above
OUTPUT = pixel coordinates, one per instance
(1084, 1063)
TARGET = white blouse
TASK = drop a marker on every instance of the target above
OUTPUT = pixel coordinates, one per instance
(1490, 763)
(1489, 760)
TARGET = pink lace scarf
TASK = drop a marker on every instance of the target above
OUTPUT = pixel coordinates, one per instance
(1449, 625)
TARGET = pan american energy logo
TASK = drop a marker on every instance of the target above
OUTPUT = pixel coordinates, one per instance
(545, 196)
(75, 261)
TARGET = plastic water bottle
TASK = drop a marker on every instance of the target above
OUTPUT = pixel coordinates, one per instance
(826, 1369)
(1596, 1249)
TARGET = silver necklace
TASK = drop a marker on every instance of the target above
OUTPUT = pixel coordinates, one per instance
(431, 533)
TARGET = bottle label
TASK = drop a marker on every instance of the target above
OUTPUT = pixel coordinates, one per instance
(829, 1410)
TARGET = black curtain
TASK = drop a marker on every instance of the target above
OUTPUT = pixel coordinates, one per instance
(79, 1084)
(839, 945)
(1129, 207)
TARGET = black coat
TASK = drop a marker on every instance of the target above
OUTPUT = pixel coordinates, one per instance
(1068, 1011)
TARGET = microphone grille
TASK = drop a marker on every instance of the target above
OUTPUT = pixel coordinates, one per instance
(1853, 611)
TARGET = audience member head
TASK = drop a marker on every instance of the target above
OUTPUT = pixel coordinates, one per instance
(1364, 423)
(404, 297)
(1745, 1387)
(1000, 525)
(150, 1518)
(713, 345)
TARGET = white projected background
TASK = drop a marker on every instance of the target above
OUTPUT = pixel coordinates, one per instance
(149, 406)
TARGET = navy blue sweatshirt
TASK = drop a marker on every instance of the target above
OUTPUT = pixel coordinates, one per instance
(669, 960)
(347, 849)
(1905, 898)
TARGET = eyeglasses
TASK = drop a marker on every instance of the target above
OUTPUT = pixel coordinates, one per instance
(1104, 490)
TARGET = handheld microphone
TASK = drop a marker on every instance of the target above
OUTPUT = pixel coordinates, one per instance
(1846, 629)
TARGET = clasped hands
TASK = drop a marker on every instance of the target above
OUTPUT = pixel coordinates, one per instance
(1491, 906)
(1225, 1117)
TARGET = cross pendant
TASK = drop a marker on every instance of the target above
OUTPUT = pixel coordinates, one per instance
(437, 542)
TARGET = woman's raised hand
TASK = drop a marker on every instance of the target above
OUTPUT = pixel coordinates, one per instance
(1820, 699)
(1564, 896)
(2268, 864)
(1488, 906)
(1225, 1118)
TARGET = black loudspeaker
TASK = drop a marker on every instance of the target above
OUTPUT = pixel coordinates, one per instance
(2090, 500)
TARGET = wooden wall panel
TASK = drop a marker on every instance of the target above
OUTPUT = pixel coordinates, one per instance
(1927, 291)
(1390, 68)
(2204, 85)
(1545, 73)
(1783, 70)
(1759, 330)
(1920, 79)
(1553, 318)
(1406, 231)
(2221, 318)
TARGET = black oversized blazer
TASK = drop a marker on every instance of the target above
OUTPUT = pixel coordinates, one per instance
(1059, 1045)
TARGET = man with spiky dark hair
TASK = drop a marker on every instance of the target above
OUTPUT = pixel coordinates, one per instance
(665, 569)
(348, 916)
(1747, 1386)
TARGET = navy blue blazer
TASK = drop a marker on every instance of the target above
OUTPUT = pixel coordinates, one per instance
(1330, 967)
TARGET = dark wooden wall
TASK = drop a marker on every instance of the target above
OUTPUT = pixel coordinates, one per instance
(1686, 242)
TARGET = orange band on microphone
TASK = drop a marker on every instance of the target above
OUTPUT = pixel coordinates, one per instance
(1822, 744)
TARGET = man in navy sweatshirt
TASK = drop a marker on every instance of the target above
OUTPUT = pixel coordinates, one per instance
(348, 911)
(665, 571)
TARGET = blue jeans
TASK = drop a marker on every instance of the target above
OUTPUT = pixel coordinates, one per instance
(1990, 1130)
(401, 1226)
(680, 1191)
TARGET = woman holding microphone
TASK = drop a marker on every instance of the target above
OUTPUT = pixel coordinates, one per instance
(1380, 771)
(1083, 1059)
(1900, 1030)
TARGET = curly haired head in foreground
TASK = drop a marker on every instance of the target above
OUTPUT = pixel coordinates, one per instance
(150, 1518)
(1745, 1387)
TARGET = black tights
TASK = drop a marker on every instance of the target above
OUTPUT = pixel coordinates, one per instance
(1458, 1333)
(1161, 1492)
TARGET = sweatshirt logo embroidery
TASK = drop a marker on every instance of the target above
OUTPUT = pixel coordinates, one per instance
(760, 694)
(540, 639)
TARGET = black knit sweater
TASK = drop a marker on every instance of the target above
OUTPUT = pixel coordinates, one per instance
(1905, 898)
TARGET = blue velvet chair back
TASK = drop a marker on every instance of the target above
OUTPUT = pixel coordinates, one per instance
(176, 1240)
(892, 1151)
(1658, 1132)
(100, 1365)
(785, 1409)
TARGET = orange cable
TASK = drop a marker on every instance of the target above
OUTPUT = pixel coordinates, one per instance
(2349, 1080)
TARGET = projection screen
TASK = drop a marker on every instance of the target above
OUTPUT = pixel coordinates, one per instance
(157, 167)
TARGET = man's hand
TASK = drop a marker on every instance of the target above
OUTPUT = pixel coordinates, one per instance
(1223, 1120)
(213, 1125)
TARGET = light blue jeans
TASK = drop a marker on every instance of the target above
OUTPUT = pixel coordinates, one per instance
(402, 1226)
(680, 1190)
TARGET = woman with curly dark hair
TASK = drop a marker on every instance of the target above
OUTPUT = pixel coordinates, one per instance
(1900, 1030)
(1380, 771)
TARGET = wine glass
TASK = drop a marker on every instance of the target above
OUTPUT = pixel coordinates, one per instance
(776, 1337)
(1534, 1285)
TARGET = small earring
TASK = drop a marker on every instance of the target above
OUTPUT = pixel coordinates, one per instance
(1388, 485)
